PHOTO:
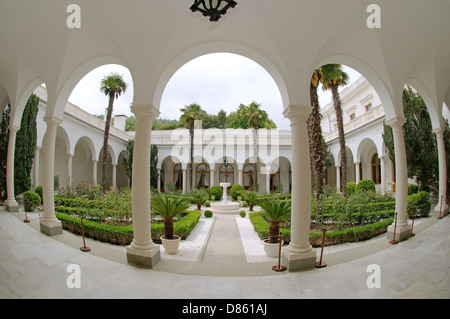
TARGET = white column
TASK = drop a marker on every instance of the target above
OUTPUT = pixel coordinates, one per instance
(114, 175)
(268, 180)
(358, 172)
(401, 176)
(211, 178)
(299, 253)
(185, 177)
(69, 169)
(11, 204)
(383, 174)
(338, 178)
(94, 172)
(241, 176)
(142, 251)
(36, 166)
(49, 224)
(442, 205)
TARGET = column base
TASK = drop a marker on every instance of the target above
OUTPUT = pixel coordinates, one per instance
(11, 206)
(51, 228)
(443, 211)
(298, 261)
(401, 233)
(143, 258)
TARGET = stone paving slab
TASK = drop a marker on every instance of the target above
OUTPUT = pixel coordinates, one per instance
(33, 265)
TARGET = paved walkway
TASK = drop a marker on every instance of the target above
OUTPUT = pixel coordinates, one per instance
(33, 265)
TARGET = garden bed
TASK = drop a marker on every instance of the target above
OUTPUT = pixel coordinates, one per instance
(123, 234)
(332, 237)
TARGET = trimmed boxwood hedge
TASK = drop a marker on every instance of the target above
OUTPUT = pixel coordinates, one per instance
(123, 235)
(354, 234)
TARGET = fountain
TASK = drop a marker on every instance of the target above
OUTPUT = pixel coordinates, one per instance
(224, 206)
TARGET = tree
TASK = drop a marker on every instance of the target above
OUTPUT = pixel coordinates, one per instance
(4, 139)
(112, 86)
(315, 134)
(420, 142)
(24, 148)
(190, 114)
(335, 76)
(153, 162)
(129, 162)
(254, 114)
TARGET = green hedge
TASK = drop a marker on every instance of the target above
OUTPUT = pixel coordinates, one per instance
(123, 235)
(354, 234)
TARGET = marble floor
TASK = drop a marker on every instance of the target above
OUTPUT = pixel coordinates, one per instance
(33, 265)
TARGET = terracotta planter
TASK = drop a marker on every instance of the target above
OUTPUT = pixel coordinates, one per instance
(171, 245)
(271, 249)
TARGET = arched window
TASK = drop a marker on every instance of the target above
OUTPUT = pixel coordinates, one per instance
(178, 177)
(249, 170)
(376, 169)
(202, 174)
(274, 180)
(226, 174)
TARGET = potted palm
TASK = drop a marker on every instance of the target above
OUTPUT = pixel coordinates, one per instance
(169, 208)
(274, 211)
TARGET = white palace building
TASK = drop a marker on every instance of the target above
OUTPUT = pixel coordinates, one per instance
(390, 43)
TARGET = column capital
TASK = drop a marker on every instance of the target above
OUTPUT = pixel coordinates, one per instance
(145, 111)
(439, 131)
(51, 120)
(13, 128)
(396, 122)
(297, 112)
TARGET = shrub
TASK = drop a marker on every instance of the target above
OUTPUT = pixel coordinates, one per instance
(208, 213)
(216, 192)
(198, 197)
(38, 191)
(244, 204)
(242, 213)
(236, 190)
(365, 185)
(351, 188)
(413, 189)
(31, 201)
(207, 204)
(419, 204)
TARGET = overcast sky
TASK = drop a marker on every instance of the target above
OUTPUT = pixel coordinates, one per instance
(215, 81)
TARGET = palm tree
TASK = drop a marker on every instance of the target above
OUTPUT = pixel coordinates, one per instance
(168, 208)
(112, 86)
(252, 197)
(190, 114)
(315, 134)
(275, 211)
(335, 76)
(254, 114)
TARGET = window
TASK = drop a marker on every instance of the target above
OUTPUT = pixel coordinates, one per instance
(202, 174)
(274, 181)
(178, 176)
(226, 174)
(376, 169)
(352, 116)
(249, 170)
(368, 107)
